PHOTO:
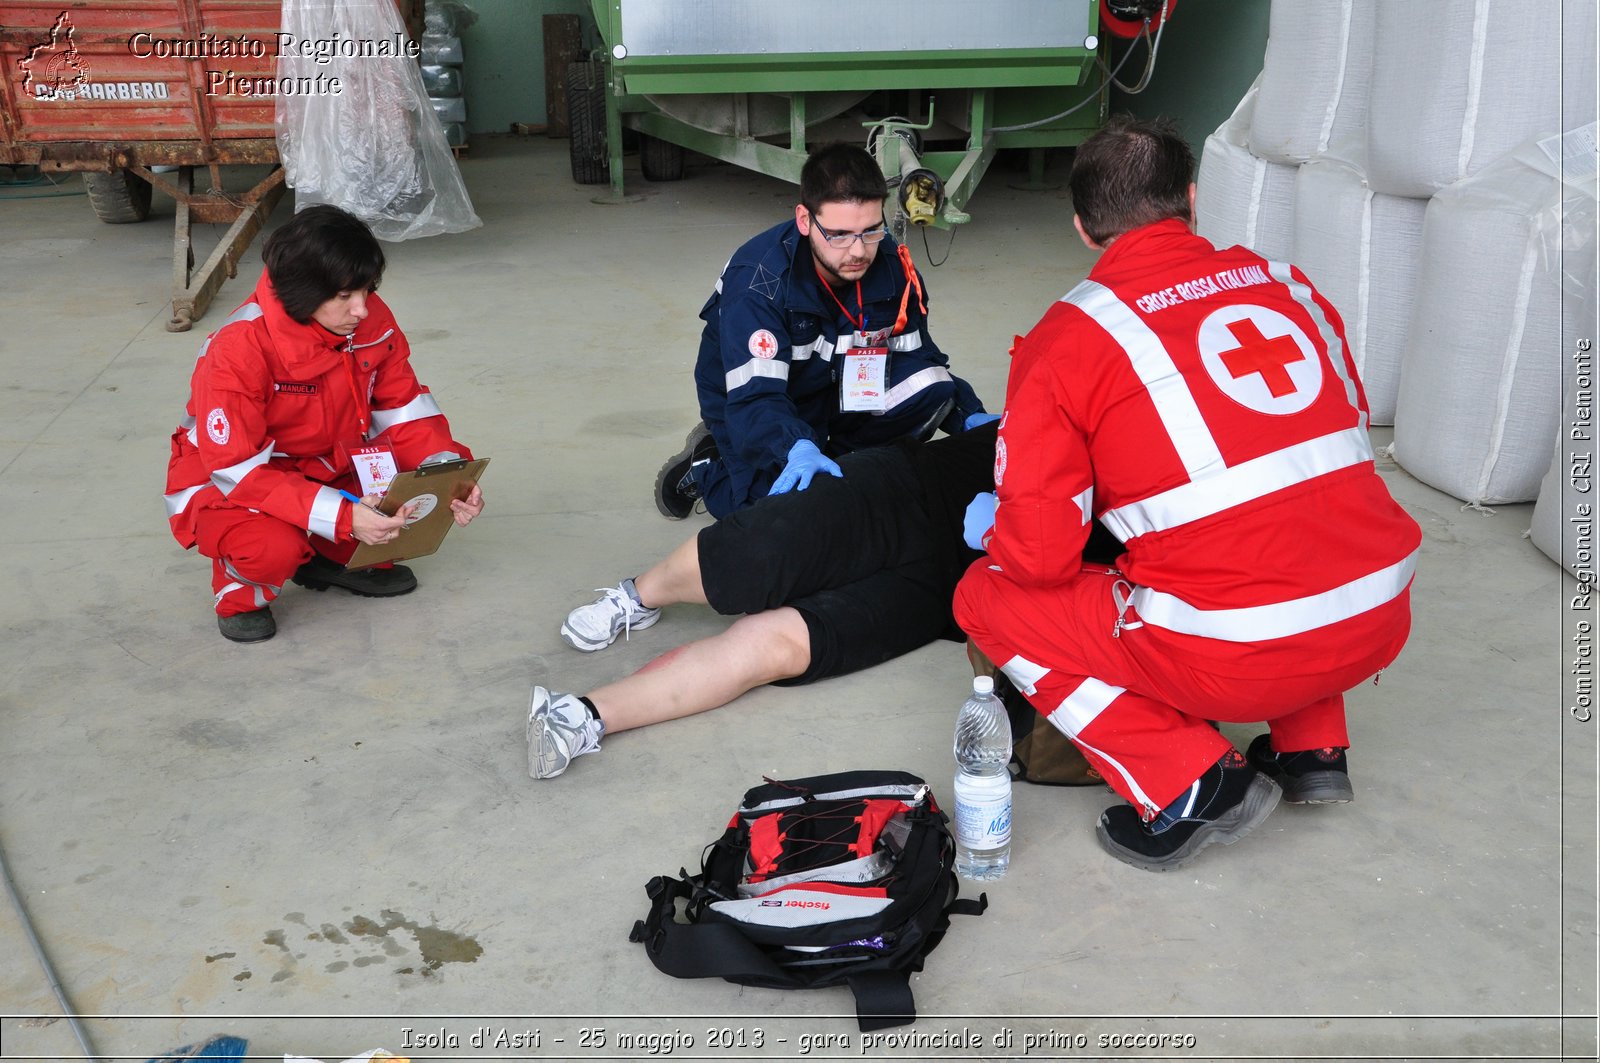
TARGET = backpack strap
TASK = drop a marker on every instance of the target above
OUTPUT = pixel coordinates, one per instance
(883, 999)
(696, 950)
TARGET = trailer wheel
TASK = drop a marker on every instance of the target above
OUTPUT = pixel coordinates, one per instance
(660, 160)
(586, 122)
(118, 197)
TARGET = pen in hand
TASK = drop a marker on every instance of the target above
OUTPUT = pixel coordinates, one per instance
(348, 497)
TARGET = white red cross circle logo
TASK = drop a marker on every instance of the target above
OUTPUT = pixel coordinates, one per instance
(1260, 359)
(763, 344)
(217, 427)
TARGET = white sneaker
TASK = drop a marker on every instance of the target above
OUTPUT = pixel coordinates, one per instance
(559, 728)
(596, 625)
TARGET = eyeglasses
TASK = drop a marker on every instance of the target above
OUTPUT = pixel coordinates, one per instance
(842, 240)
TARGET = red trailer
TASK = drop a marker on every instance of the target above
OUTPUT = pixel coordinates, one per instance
(116, 89)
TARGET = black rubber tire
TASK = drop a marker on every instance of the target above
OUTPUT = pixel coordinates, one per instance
(586, 123)
(118, 197)
(660, 160)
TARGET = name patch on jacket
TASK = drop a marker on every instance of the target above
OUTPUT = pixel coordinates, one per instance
(294, 387)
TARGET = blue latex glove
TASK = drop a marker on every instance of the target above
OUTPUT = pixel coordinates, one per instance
(805, 461)
(979, 521)
(975, 420)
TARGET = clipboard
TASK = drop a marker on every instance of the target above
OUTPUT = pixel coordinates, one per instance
(435, 486)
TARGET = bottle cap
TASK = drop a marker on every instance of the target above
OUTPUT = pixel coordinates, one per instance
(983, 684)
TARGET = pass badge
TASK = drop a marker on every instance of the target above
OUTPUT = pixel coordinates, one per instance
(863, 380)
(374, 467)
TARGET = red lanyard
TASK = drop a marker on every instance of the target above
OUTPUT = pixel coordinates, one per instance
(861, 324)
(355, 392)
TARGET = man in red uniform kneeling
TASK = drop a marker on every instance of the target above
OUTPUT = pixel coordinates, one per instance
(311, 368)
(1203, 405)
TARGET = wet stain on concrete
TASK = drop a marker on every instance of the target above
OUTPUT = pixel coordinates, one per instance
(281, 975)
(368, 961)
(275, 937)
(331, 933)
(437, 945)
(336, 966)
(92, 875)
(221, 956)
(242, 976)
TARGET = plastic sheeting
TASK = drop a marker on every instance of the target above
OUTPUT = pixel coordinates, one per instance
(1457, 84)
(1316, 79)
(1361, 248)
(1479, 400)
(374, 148)
(1239, 198)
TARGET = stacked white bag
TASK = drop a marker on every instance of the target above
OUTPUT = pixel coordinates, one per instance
(1242, 199)
(1461, 83)
(1451, 315)
(1480, 396)
(1565, 516)
(1360, 248)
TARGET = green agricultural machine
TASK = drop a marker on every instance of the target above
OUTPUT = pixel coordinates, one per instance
(933, 88)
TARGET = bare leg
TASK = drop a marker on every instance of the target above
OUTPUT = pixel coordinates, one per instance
(674, 580)
(755, 650)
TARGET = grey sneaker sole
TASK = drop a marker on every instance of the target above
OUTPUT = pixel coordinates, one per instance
(547, 752)
(583, 645)
(1317, 788)
(1259, 801)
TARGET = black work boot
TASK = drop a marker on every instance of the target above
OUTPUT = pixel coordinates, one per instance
(319, 574)
(676, 492)
(1223, 805)
(254, 626)
(1308, 777)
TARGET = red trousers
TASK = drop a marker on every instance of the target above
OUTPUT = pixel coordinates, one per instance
(253, 555)
(1138, 712)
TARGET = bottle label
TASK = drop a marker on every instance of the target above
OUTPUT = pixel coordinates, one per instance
(983, 824)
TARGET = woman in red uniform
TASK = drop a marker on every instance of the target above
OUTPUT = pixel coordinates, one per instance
(311, 367)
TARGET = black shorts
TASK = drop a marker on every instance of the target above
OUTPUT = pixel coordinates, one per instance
(854, 555)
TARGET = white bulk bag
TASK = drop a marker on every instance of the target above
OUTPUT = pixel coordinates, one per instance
(1239, 198)
(1479, 399)
(1457, 84)
(1361, 248)
(1316, 78)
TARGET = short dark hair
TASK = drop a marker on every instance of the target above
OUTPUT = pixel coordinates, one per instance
(317, 254)
(840, 173)
(1132, 172)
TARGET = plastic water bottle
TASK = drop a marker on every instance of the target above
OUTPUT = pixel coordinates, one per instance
(983, 785)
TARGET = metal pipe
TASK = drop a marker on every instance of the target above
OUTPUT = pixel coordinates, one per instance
(44, 961)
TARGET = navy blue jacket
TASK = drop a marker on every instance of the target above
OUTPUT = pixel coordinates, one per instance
(767, 369)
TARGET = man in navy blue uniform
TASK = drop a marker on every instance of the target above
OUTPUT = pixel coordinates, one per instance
(816, 343)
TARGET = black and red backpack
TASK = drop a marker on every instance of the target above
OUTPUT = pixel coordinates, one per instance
(838, 879)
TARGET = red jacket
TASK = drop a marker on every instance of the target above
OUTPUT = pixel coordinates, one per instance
(1203, 404)
(270, 403)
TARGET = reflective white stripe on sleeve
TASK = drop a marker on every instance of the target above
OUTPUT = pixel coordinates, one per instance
(229, 478)
(424, 405)
(767, 367)
(919, 381)
(1244, 482)
(324, 519)
(1280, 272)
(178, 501)
(1081, 707)
(1280, 619)
(1174, 403)
(906, 341)
(1023, 673)
(821, 345)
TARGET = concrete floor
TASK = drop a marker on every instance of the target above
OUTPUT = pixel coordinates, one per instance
(326, 841)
